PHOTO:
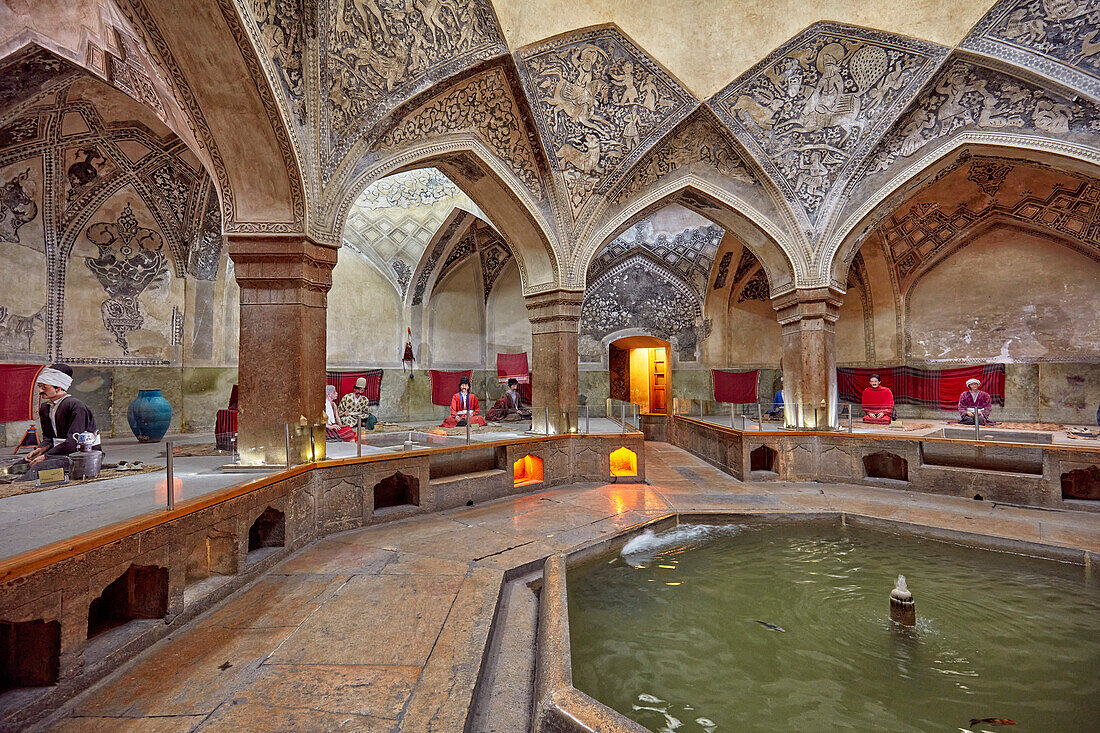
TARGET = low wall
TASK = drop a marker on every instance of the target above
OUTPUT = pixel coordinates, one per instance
(161, 569)
(1016, 473)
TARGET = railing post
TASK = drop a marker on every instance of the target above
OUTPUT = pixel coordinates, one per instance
(171, 476)
(587, 426)
(977, 422)
(358, 435)
(851, 409)
(469, 415)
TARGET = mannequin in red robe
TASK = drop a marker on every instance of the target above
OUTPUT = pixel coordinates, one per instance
(463, 400)
(878, 403)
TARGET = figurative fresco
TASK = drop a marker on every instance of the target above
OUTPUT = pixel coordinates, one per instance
(18, 205)
(812, 109)
(282, 27)
(698, 140)
(482, 104)
(968, 97)
(113, 225)
(377, 53)
(1057, 38)
(599, 103)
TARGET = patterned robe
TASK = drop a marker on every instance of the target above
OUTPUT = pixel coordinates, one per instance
(354, 406)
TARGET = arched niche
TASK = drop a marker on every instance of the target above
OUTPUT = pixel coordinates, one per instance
(1008, 294)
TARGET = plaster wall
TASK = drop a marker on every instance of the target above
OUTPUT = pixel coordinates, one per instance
(851, 338)
(365, 316)
(457, 319)
(507, 326)
(1007, 296)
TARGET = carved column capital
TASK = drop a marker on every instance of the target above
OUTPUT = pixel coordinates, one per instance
(802, 308)
(282, 269)
(555, 311)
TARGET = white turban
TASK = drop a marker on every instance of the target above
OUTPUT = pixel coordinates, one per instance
(973, 381)
(54, 378)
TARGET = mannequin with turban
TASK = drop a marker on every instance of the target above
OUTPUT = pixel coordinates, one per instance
(974, 403)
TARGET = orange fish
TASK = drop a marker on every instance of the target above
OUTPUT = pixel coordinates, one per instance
(992, 721)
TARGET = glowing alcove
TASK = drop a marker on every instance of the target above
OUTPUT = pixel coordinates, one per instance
(624, 462)
(527, 470)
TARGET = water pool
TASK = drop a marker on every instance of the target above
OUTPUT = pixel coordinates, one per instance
(670, 635)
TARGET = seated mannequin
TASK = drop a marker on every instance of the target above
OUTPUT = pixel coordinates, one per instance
(334, 429)
(464, 406)
(878, 403)
(974, 404)
(61, 415)
(777, 403)
(510, 407)
(355, 405)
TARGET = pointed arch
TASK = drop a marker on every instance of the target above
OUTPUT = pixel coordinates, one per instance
(840, 249)
(763, 238)
(490, 184)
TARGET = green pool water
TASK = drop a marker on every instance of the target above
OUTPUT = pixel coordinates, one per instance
(669, 635)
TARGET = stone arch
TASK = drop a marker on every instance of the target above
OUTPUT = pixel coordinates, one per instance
(763, 238)
(490, 184)
(157, 51)
(840, 248)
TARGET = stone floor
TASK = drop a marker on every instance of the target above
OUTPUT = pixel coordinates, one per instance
(384, 628)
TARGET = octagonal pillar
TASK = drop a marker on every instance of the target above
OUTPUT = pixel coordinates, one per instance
(555, 318)
(808, 317)
(284, 283)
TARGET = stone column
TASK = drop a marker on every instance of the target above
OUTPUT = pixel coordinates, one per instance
(284, 283)
(555, 317)
(808, 318)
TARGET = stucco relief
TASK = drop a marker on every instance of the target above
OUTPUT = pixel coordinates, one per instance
(1059, 38)
(131, 258)
(130, 73)
(639, 294)
(811, 110)
(697, 141)
(599, 103)
(205, 253)
(378, 53)
(723, 271)
(483, 105)
(494, 256)
(964, 96)
(689, 254)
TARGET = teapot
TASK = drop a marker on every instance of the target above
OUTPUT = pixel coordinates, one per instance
(85, 440)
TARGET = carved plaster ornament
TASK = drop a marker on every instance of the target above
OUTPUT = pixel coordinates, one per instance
(131, 258)
(598, 102)
(17, 206)
(811, 110)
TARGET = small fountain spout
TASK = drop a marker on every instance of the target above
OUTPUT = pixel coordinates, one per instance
(902, 608)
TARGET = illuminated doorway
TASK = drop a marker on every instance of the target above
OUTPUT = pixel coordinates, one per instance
(640, 372)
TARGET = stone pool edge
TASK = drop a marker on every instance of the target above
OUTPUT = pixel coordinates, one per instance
(559, 707)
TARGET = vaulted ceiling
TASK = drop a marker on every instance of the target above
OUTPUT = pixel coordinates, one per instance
(784, 127)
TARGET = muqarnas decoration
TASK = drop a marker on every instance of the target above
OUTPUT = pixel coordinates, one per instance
(131, 258)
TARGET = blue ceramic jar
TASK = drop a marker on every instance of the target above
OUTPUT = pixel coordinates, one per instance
(149, 416)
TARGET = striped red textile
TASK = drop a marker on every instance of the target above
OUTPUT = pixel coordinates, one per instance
(935, 388)
(445, 384)
(345, 381)
(18, 396)
(738, 388)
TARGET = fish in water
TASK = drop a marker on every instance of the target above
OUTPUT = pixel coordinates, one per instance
(766, 625)
(992, 721)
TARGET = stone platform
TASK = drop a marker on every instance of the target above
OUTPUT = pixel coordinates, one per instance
(414, 626)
